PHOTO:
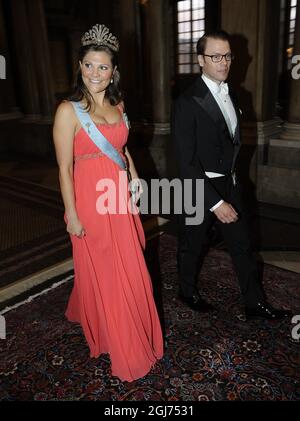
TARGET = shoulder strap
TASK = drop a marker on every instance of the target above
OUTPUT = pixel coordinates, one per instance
(121, 108)
(96, 136)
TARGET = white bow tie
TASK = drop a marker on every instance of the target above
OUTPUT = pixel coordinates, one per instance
(223, 88)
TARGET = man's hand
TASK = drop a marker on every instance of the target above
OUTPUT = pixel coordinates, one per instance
(226, 213)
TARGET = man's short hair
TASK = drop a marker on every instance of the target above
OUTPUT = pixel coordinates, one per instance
(201, 44)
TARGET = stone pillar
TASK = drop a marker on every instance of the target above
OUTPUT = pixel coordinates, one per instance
(40, 50)
(159, 57)
(74, 40)
(145, 33)
(8, 107)
(254, 28)
(292, 127)
(9, 113)
(26, 75)
(279, 179)
(144, 59)
(126, 32)
(142, 28)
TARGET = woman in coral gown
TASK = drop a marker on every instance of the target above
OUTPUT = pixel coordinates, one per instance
(112, 296)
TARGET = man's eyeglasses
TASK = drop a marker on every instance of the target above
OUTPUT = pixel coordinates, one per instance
(217, 58)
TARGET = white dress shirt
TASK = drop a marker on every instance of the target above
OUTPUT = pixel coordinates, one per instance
(221, 94)
(222, 97)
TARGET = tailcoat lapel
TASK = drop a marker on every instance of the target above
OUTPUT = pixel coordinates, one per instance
(206, 101)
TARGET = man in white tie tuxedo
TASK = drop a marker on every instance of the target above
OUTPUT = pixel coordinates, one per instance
(206, 134)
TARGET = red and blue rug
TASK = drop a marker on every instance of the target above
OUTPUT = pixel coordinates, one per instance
(216, 357)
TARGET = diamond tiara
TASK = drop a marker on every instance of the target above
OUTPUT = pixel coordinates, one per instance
(100, 35)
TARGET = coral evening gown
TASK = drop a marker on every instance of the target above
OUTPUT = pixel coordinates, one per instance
(112, 295)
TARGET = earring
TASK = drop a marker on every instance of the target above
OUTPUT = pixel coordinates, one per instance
(112, 81)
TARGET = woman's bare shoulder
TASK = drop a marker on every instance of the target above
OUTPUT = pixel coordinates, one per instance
(65, 118)
(65, 113)
(65, 108)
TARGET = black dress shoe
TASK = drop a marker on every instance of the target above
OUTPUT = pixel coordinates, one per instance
(266, 311)
(195, 302)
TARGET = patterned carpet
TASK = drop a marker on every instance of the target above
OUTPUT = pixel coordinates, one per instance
(217, 357)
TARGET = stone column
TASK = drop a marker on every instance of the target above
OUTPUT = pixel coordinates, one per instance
(74, 40)
(254, 28)
(8, 108)
(292, 127)
(159, 57)
(26, 75)
(279, 178)
(142, 27)
(126, 32)
(40, 50)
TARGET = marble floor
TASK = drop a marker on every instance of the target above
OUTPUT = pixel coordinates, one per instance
(283, 259)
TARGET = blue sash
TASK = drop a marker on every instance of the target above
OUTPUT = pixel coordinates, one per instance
(96, 136)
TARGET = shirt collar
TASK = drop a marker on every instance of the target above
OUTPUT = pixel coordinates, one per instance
(213, 86)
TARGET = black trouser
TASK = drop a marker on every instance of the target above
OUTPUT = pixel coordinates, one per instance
(192, 239)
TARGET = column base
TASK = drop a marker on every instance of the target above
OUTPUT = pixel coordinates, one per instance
(149, 127)
(11, 116)
(151, 148)
(291, 131)
(278, 179)
(284, 153)
(278, 186)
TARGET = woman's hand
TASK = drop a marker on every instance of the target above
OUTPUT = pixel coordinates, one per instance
(136, 189)
(74, 227)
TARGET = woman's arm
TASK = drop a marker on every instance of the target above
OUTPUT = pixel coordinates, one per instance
(63, 135)
(136, 185)
(132, 168)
